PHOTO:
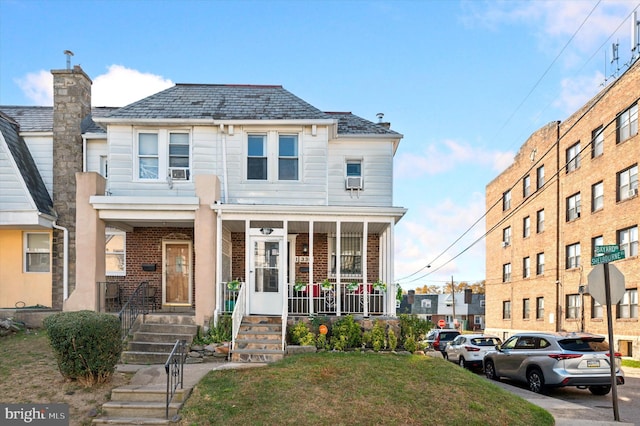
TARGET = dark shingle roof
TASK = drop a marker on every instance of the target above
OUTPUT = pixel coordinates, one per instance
(40, 118)
(26, 165)
(350, 124)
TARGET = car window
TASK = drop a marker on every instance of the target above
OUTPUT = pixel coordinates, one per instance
(511, 343)
(584, 345)
(543, 343)
(526, 342)
(458, 340)
(485, 341)
(448, 335)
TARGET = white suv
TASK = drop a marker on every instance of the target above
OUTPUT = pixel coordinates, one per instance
(468, 350)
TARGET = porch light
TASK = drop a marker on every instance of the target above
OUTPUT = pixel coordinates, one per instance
(305, 248)
(266, 231)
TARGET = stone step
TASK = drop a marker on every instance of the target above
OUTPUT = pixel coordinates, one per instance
(139, 409)
(264, 335)
(144, 358)
(122, 421)
(134, 346)
(258, 344)
(147, 394)
(251, 355)
(260, 319)
(143, 336)
(169, 319)
(168, 328)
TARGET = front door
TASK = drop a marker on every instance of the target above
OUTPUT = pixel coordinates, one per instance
(266, 278)
(177, 273)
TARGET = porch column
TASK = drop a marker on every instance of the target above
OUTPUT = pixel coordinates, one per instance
(365, 279)
(389, 255)
(311, 261)
(338, 268)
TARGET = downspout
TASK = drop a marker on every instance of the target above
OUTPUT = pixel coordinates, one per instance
(84, 153)
(65, 265)
(558, 237)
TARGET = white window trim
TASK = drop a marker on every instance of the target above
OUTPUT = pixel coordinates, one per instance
(272, 152)
(25, 252)
(298, 157)
(113, 231)
(163, 153)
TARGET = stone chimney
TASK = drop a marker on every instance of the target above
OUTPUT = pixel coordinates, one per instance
(71, 104)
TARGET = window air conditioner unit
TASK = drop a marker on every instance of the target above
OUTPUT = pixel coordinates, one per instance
(505, 244)
(179, 173)
(633, 192)
(353, 182)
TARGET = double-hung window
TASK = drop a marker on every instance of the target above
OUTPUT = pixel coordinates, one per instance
(526, 186)
(148, 156)
(37, 252)
(539, 307)
(526, 227)
(627, 124)
(288, 157)
(179, 155)
(540, 221)
(573, 157)
(526, 267)
(115, 252)
(506, 200)
(540, 177)
(353, 180)
(257, 157)
(506, 272)
(572, 256)
(597, 142)
(506, 309)
(526, 308)
(596, 309)
(628, 183)
(597, 196)
(350, 255)
(572, 308)
(628, 241)
(573, 207)
(628, 306)
(163, 155)
(539, 263)
(596, 241)
(506, 236)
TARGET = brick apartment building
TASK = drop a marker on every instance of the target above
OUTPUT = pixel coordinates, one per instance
(572, 186)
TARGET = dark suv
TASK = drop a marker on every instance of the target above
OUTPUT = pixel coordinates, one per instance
(438, 338)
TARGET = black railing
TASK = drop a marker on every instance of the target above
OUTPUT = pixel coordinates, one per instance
(174, 367)
(142, 301)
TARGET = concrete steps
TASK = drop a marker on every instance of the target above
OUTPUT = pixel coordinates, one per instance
(259, 340)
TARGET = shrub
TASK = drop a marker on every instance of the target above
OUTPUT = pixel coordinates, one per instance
(410, 344)
(346, 334)
(322, 343)
(378, 340)
(220, 332)
(412, 326)
(301, 335)
(393, 340)
(87, 345)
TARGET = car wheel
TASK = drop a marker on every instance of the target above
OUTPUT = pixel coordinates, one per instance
(599, 390)
(535, 379)
(445, 356)
(461, 362)
(490, 370)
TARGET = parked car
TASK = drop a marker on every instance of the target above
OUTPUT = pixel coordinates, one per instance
(468, 350)
(438, 338)
(553, 360)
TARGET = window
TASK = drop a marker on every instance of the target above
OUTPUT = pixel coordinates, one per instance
(540, 221)
(506, 200)
(526, 186)
(572, 308)
(627, 124)
(354, 174)
(104, 166)
(288, 157)
(257, 157)
(115, 249)
(597, 196)
(597, 142)
(573, 256)
(628, 241)
(526, 267)
(350, 255)
(425, 303)
(628, 183)
(506, 272)
(573, 207)
(596, 309)
(506, 309)
(539, 307)
(628, 306)
(596, 241)
(148, 156)
(506, 236)
(37, 252)
(540, 177)
(526, 227)
(179, 155)
(573, 157)
(525, 308)
(540, 263)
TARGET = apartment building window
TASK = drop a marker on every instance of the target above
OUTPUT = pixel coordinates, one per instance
(628, 306)
(572, 256)
(573, 207)
(596, 241)
(540, 221)
(506, 309)
(526, 186)
(573, 157)
(597, 196)
(526, 308)
(506, 236)
(506, 200)
(540, 308)
(628, 183)
(572, 307)
(350, 255)
(526, 227)
(540, 263)
(288, 157)
(627, 124)
(526, 267)
(506, 273)
(148, 156)
(596, 309)
(628, 241)
(540, 177)
(115, 252)
(37, 252)
(257, 157)
(597, 142)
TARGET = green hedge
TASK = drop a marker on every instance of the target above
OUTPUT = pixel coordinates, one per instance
(87, 344)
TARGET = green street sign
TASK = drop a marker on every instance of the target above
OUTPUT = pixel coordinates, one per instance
(609, 248)
(618, 255)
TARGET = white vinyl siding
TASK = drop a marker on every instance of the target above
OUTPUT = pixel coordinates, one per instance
(14, 194)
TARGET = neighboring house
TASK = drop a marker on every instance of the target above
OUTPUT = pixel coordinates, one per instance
(433, 307)
(199, 185)
(573, 186)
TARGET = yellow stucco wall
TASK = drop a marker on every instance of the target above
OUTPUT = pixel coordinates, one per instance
(33, 288)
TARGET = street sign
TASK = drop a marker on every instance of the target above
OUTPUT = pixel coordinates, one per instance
(597, 284)
(609, 248)
(441, 323)
(611, 257)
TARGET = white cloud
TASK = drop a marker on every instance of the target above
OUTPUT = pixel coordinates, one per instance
(118, 87)
(575, 92)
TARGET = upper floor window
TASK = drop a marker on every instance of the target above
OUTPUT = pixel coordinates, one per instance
(526, 227)
(573, 157)
(596, 241)
(506, 272)
(350, 255)
(628, 241)
(353, 179)
(506, 236)
(540, 221)
(628, 306)
(526, 308)
(506, 200)
(627, 124)
(597, 142)
(163, 154)
(540, 263)
(572, 256)
(597, 196)
(526, 186)
(37, 252)
(257, 157)
(628, 183)
(540, 177)
(148, 156)
(573, 207)
(539, 307)
(526, 267)
(572, 308)
(179, 156)
(288, 157)
(115, 252)
(506, 309)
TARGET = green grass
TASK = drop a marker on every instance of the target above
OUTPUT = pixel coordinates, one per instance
(356, 389)
(630, 363)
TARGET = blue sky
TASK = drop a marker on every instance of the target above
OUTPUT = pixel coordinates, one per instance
(465, 82)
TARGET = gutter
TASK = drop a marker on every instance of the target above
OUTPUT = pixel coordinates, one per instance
(65, 266)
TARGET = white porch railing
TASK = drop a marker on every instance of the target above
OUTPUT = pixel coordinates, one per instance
(238, 313)
(353, 299)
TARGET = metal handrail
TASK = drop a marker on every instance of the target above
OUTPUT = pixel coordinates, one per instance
(174, 367)
(238, 314)
(138, 303)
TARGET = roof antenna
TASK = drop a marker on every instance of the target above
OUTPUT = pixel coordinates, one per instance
(69, 55)
(380, 116)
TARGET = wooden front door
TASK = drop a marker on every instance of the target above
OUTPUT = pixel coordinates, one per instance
(177, 273)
